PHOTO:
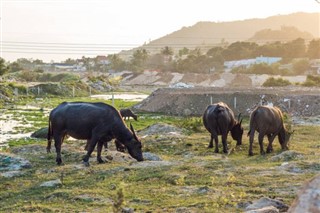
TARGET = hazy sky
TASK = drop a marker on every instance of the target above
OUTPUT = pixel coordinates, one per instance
(42, 29)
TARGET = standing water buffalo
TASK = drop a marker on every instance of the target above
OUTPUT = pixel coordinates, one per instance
(96, 122)
(127, 113)
(268, 121)
(219, 119)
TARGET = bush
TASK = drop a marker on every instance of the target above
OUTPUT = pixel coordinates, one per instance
(276, 82)
(312, 81)
(193, 124)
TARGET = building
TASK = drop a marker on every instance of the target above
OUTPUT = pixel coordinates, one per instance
(246, 63)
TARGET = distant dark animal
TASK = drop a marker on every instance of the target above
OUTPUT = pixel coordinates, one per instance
(219, 119)
(127, 113)
(96, 122)
(268, 121)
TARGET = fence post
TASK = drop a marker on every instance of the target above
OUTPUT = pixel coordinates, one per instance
(210, 100)
(235, 102)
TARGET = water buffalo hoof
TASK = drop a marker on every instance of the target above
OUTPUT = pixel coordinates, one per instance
(250, 153)
(216, 151)
(269, 150)
(101, 161)
(210, 146)
(59, 162)
(262, 152)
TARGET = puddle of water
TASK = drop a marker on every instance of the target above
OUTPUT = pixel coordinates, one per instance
(8, 125)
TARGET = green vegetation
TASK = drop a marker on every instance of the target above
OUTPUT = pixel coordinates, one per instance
(196, 178)
(312, 81)
(276, 82)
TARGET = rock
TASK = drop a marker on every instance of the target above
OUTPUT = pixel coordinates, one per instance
(119, 156)
(127, 210)
(12, 162)
(150, 156)
(161, 129)
(41, 133)
(144, 164)
(11, 174)
(289, 167)
(266, 202)
(267, 209)
(52, 183)
(308, 199)
(287, 156)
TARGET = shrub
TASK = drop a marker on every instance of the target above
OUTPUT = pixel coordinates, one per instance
(312, 81)
(192, 124)
(276, 82)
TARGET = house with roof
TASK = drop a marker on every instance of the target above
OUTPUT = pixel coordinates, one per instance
(246, 63)
(102, 60)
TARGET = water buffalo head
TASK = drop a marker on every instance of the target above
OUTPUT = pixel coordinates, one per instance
(284, 139)
(237, 132)
(134, 146)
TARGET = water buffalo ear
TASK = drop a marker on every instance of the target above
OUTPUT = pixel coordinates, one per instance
(240, 121)
(134, 133)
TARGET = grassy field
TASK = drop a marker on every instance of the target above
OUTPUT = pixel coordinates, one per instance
(191, 177)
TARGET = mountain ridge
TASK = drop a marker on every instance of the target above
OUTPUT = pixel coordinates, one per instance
(206, 34)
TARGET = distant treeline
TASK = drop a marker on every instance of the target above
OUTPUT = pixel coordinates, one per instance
(196, 61)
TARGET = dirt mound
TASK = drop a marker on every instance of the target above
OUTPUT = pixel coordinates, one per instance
(176, 101)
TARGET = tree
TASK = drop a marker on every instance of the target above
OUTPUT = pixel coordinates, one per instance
(295, 48)
(139, 59)
(301, 66)
(116, 63)
(183, 51)
(3, 67)
(167, 52)
(313, 51)
(14, 67)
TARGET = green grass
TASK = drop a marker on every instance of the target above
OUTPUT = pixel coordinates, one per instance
(198, 179)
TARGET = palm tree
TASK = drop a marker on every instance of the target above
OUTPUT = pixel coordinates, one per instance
(167, 52)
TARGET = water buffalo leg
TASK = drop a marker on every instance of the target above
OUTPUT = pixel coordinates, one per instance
(120, 147)
(251, 142)
(49, 145)
(270, 139)
(57, 144)
(92, 143)
(283, 145)
(260, 138)
(224, 142)
(105, 144)
(211, 141)
(216, 150)
(99, 149)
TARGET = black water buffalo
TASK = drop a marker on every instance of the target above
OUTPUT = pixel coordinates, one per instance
(96, 122)
(268, 121)
(127, 113)
(219, 119)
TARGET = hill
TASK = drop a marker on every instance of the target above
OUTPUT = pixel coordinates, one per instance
(208, 34)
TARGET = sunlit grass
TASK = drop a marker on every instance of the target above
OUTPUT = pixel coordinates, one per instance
(197, 178)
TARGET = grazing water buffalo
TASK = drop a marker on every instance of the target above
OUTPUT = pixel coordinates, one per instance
(219, 119)
(127, 113)
(268, 121)
(96, 122)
